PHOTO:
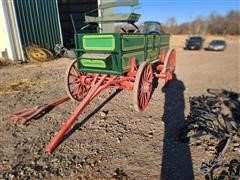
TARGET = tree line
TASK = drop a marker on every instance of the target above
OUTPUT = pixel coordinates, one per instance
(213, 24)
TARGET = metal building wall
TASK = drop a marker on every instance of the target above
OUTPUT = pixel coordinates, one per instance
(24, 22)
(38, 22)
(10, 43)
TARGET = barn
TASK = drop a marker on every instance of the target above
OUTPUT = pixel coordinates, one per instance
(42, 22)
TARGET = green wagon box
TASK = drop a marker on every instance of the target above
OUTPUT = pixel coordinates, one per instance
(109, 53)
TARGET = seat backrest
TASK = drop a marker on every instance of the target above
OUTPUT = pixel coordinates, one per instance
(130, 18)
(119, 3)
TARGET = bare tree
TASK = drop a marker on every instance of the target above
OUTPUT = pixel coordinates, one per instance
(214, 24)
(171, 25)
(232, 23)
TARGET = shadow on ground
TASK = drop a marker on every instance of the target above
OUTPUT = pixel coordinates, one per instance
(176, 158)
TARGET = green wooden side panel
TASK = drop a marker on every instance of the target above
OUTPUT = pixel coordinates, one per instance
(98, 42)
(118, 49)
(93, 63)
(139, 55)
(152, 50)
(133, 42)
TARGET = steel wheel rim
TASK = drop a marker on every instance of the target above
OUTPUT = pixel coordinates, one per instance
(143, 86)
(171, 64)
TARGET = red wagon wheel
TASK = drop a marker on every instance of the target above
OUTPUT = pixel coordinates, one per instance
(142, 86)
(169, 67)
(77, 83)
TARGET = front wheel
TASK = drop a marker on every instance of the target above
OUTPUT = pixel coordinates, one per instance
(77, 83)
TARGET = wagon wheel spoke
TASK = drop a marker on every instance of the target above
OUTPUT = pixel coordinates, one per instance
(75, 69)
(142, 86)
(73, 91)
(74, 75)
(76, 86)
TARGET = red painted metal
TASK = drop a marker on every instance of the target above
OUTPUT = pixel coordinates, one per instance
(170, 65)
(24, 116)
(168, 68)
(142, 86)
(159, 67)
(133, 67)
(162, 56)
(77, 83)
(98, 86)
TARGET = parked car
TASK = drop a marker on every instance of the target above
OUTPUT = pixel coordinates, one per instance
(194, 43)
(216, 45)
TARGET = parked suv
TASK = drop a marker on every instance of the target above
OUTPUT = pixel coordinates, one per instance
(194, 43)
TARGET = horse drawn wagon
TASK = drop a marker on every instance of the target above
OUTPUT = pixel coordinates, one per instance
(129, 59)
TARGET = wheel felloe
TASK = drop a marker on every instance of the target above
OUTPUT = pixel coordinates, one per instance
(76, 82)
(142, 87)
(169, 68)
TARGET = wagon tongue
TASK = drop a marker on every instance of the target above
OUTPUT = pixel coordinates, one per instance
(24, 116)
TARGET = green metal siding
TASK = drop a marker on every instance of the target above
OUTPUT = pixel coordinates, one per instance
(38, 22)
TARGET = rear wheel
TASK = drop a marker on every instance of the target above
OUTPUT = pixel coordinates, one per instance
(169, 67)
(142, 86)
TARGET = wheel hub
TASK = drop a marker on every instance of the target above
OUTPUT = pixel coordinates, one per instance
(146, 86)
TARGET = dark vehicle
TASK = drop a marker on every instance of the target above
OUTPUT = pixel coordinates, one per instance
(194, 43)
(216, 45)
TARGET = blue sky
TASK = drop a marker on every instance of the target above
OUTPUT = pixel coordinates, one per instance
(182, 10)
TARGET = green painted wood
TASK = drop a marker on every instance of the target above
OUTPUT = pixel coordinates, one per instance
(139, 55)
(38, 22)
(98, 42)
(119, 49)
(133, 42)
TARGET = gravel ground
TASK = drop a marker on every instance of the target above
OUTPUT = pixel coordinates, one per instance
(110, 140)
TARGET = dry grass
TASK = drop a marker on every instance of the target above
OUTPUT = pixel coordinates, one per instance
(20, 85)
(5, 62)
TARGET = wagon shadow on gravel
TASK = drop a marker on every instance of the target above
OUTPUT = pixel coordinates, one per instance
(176, 158)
